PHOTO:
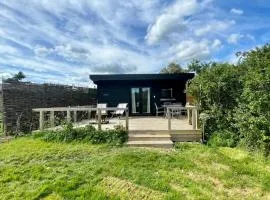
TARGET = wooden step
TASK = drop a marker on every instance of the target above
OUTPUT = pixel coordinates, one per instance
(148, 137)
(156, 144)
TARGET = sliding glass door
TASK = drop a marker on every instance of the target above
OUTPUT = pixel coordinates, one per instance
(140, 100)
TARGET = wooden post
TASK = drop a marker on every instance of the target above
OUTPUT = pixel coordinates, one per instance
(169, 120)
(52, 118)
(197, 118)
(127, 127)
(189, 116)
(89, 114)
(99, 119)
(194, 119)
(41, 120)
(75, 115)
(68, 116)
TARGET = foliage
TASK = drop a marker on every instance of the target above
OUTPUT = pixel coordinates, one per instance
(172, 68)
(223, 139)
(253, 113)
(35, 169)
(197, 66)
(116, 136)
(216, 91)
(237, 99)
(17, 77)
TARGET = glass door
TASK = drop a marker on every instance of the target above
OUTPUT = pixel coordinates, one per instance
(140, 100)
(135, 100)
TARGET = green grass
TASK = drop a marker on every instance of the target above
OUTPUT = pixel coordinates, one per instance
(34, 169)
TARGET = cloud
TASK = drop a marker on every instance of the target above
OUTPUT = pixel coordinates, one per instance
(171, 20)
(63, 41)
(214, 26)
(234, 38)
(237, 11)
(191, 49)
(114, 68)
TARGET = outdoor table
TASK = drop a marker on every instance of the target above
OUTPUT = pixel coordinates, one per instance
(173, 108)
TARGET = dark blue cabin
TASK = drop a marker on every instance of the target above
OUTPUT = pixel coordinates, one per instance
(141, 91)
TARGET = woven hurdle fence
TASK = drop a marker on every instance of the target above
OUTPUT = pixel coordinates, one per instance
(19, 98)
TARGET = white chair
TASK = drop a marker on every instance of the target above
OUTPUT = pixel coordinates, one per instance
(159, 110)
(104, 113)
(121, 112)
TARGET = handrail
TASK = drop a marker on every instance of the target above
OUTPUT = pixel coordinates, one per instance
(191, 111)
(81, 108)
(74, 109)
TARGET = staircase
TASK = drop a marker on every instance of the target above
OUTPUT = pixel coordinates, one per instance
(158, 139)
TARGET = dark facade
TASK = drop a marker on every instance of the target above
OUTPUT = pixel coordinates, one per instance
(141, 91)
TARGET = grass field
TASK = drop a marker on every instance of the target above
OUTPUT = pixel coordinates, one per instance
(33, 169)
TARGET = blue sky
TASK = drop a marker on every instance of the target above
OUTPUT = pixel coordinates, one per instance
(64, 41)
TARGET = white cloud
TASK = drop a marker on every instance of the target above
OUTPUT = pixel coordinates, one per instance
(237, 11)
(214, 26)
(191, 49)
(172, 19)
(216, 44)
(66, 40)
(234, 38)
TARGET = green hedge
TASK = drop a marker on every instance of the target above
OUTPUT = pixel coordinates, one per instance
(237, 100)
(116, 136)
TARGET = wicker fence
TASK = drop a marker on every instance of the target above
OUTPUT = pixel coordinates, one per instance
(19, 98)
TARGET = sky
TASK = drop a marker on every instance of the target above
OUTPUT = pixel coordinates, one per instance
(65, 41)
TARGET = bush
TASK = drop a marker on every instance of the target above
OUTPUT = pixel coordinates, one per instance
(236, 97)
(224, 139)
(116, 136)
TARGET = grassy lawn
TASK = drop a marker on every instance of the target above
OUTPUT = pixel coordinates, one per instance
(33, 169)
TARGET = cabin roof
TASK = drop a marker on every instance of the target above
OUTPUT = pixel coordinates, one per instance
(128, 77)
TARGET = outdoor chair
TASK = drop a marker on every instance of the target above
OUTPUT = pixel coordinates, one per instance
(104, 113)
(178, 112)
(159, 110)
(119, 113)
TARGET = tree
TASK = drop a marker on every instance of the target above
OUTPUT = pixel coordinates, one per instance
(17, 77)
(198, 66)
(172, 68)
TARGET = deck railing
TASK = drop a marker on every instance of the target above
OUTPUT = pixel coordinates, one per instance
(69, 110)
(192, 114)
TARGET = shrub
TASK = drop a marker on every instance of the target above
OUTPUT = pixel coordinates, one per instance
(224, 139)
(116, 136)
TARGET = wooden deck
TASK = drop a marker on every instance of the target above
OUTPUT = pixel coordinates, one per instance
(146, 124)
(181, 130)
(143, 131)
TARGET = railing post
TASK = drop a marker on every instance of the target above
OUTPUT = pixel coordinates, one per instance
(89, 114)
(194, 116)
(75, 115)
(52, 118)
(68, 116)
(99, 119)
(127, 125)
(189, 116)
(41, 120)
(197, 119)
(169, 120)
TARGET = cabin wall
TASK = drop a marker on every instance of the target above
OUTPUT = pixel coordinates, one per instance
(114, 92)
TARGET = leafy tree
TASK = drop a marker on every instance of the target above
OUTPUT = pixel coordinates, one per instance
(197, 66)
(237, 99)
(17, 77)
(172, 68)
(253, 112)
(216, 90)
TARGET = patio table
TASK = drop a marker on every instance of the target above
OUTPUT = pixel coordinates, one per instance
(174, 107)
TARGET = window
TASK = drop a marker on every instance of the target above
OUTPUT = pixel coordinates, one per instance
(167, 93)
